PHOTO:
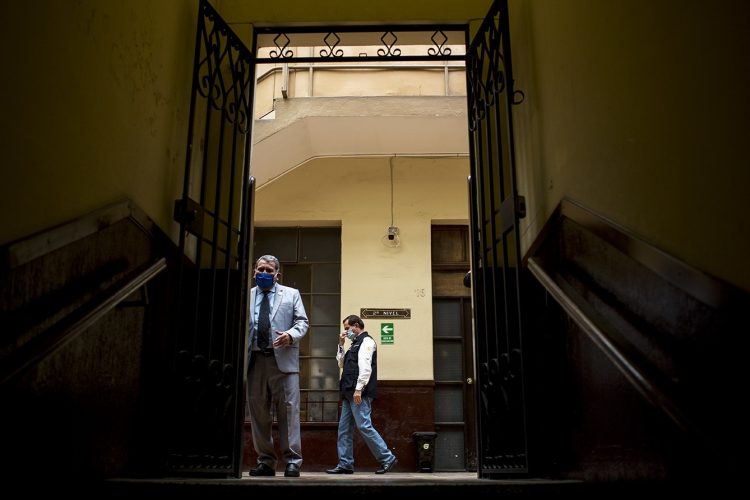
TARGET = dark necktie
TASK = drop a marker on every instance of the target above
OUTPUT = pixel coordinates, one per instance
(264, 322)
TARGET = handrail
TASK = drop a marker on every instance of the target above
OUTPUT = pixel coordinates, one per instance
(706, 288)
(628, 368)
(23, 251)
(68, 328)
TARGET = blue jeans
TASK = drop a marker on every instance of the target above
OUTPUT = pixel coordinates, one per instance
(359, 415)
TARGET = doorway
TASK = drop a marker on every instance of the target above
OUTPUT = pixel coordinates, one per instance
(392, 235)
(453, 364)
(382, 168)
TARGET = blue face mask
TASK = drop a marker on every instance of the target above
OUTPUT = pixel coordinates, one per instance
(264, 280)
(350, 334)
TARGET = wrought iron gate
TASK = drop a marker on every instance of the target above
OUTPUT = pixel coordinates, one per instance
(494, 212)
(215, 216)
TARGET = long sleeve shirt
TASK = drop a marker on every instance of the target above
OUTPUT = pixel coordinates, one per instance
(364, 360)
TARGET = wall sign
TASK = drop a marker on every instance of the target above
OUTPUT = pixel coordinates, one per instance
(372, 312)
(386, 333)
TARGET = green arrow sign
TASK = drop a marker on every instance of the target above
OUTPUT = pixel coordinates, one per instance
(386, 333)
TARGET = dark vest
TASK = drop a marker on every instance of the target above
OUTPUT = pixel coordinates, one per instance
(350, 371)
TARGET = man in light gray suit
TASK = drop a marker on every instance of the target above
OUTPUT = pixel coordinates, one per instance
(275, 330)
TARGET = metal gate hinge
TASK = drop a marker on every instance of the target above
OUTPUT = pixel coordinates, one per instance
(189, 213)
(520, 207)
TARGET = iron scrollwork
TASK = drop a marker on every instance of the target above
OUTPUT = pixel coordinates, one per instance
(332, 51)
(282, 52)
(223, 74)
(486, 75)
(501, 405)
(203, 399)
(439, 49)
(389, 50)
(382, 43)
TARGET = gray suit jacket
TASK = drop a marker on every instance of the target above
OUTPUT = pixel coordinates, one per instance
(287, 315)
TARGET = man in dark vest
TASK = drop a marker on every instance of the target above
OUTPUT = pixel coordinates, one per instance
(358, 386)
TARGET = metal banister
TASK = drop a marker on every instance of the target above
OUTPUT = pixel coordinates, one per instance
(69, 327)
(639, 380)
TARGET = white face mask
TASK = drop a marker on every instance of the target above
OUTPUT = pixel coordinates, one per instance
(350, 334)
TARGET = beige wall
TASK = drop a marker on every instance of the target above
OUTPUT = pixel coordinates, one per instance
(639, 110)
(95, 99)
(346, 80)
(356, 194)
(278, 81)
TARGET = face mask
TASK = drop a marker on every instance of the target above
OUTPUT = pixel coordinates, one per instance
(350, 334)
(264, 280)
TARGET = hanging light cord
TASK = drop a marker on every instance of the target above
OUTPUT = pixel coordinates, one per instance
(391, 165)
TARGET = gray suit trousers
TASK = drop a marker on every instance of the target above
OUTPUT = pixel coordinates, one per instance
(267, 385)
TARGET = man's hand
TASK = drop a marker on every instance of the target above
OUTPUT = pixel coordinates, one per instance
(282, 340)
(357, 397)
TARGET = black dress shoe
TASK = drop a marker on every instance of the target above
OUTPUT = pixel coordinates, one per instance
(292, 470)
(262, 470)
(339, 470)
(387, 467)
